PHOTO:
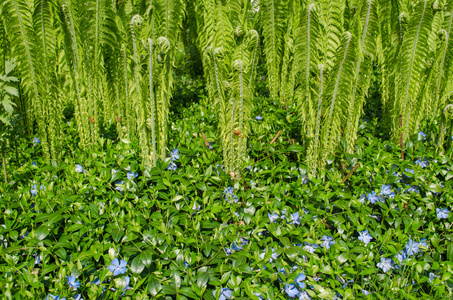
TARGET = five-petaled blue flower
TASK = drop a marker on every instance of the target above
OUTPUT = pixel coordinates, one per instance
(422, 163)
(78, 297)
(259, 117)
(131, 175)
(79, 168)
(72, 282)
(229, 193)
(36, 140)
(225, 293)
(174, 154)
(299, 280)
(386, 264)
(172, 166)
(291, 290)
(118, 267)
(272, 217)
(327, 241)
(442, 213)
(365, 237)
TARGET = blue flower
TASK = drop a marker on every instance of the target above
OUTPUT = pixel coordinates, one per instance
(235, 247)
(295, 218)
(131, 175)
(422, 163)
(409, 171)
(78, 297)
(412, 248)
(72, 282)
(259, 117)
(373, 197)
(118, 267)
(33, 190)
(37, 259)
(186, 264)
(303, 295)
(309, 247)
(229, 193)
(227, 251)
(172, 166)
(365, 237)
(119, 185)
(413, 188)
(327, 241)
(432, 276)
(36, 140)
(52, 297)
(273, 255)
(386, 189)
(126, 285)
(79, 168)
(225, 293)
(422, 134)
(210, 145)
(442, 213)
(174, 154)
(401, 256)
(299, 280)
(386, 264)
(33, 163)
(291, 290)
(272, 217)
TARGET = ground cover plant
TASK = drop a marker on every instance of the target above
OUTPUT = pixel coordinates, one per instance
(226, 149)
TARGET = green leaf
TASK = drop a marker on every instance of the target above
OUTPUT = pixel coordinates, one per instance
(154, 287)
(11, 90)
(43, 231)
(146, 258)
(202, 280)
(137, 265)
(295, 148)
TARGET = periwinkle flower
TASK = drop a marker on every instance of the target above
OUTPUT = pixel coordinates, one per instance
(259, 117)
(33, 190)
(291, 290)
(442, 213)
(196, 207)
(272, 217)
(36, 140)
(119, 185)
(373, 197)
(52, 297)
(422, 134)
(33, 163)
(401, 256)
(79, 168)
(327, 241)
(299, 280)
(131, 175)
(211, 144)
(365, 237)
(235, 247)
(78, 297)
(432, 277)
(273, 255)
(386, 264)
(72, 282)
(225, 293)
(227, 251)
(412, 248)
(172, 166)
(413, 188)
(422, 163)
(386, 189)
(263, 78)
(126, 285)
(174, 154)
(309, 247)
(118, 267)
(303, 295)
(295, 219)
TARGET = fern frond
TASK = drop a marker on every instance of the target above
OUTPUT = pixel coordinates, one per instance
(273, 18)
(336, 93)
(412, 65)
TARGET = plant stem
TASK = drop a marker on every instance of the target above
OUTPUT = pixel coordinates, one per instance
(4, 162)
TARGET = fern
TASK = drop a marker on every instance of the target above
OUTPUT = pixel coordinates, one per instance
(412, 65)
(274, 13)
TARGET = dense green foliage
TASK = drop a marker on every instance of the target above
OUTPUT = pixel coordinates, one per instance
(226, 149)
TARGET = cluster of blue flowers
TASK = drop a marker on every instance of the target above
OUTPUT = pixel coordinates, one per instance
(117, 267)
(412, 248)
